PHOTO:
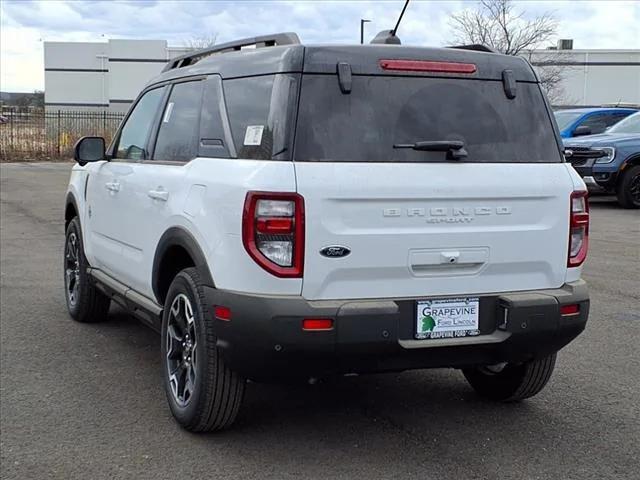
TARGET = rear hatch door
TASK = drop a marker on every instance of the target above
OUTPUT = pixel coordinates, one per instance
(415, 223)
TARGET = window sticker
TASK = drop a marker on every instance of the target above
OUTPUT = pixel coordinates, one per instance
(167, 113)
(253, 135)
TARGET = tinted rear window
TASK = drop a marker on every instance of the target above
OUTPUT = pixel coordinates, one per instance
(382, 111)
(261, 111)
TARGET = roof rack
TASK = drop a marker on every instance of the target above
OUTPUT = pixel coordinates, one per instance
(474, 46)
(287, 38)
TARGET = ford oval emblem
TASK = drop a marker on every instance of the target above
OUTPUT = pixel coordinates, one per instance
(335, 251)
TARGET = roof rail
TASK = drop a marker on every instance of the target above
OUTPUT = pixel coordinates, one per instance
(287, 38)
(475, 46)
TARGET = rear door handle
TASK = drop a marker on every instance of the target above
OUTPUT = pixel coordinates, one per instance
(161, 195)
(112, 186)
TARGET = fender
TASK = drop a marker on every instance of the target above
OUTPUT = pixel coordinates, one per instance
(70, 200)
(632, 160)
(178, 236)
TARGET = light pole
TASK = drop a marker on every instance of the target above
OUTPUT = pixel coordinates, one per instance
(362, 22)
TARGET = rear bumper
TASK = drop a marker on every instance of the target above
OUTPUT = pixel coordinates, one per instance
(264, 338)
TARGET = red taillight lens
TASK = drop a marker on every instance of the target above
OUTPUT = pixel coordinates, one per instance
(273, 232)
(572, 309)
(427, 66)
(317, 324)
(222, 313)
(578, 228)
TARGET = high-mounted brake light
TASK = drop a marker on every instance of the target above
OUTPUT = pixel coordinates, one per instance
(273, 232)
(578, 228)
(428, 66)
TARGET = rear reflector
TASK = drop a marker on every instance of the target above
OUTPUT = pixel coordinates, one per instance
(222, 313)
(573, 309)
(317, 324)
(427, 66)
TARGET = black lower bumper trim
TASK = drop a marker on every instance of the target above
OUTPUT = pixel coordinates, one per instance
(265, 340)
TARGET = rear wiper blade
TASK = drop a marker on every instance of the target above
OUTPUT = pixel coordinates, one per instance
(454, 148)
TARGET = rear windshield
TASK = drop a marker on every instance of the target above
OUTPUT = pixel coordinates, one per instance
(381, 111)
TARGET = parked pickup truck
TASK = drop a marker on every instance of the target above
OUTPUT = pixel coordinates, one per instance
(589, 121)
(610, 161)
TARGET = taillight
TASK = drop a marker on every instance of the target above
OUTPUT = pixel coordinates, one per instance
(427, 66)
(578, 228)
(273, 232)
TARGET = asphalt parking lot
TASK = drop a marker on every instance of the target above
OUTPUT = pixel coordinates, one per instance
(85, 401)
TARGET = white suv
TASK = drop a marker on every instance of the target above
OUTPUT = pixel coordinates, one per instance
(294, 211)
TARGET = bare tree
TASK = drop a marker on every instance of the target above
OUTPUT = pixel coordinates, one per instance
(200, 42)
(551, 74)
(496, 24)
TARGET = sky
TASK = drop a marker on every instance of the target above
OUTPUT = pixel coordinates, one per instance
(25, 24)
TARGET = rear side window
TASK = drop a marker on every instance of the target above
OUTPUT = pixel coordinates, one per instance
(381, 111)
(260, 111)
(179, 125)
(630, 124)
(601, 121)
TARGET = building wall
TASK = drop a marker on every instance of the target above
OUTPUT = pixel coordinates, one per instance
(101, 76)
(109, 75)
(74, 74)
(593, 77)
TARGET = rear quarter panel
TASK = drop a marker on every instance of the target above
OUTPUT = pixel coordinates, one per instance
(215, 219)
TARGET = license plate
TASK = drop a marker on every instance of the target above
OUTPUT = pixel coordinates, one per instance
(447, 318)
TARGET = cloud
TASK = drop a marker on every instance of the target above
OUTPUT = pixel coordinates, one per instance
(25, 25)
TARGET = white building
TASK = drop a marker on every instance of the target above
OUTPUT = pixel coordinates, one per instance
(109, 75)
(592, 77)
(101, 76)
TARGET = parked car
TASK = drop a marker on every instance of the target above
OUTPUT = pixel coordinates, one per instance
(610, 161)
(4, 119)
(296, 211)
(589, 121)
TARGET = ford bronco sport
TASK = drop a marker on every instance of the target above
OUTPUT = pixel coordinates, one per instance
(293, 211)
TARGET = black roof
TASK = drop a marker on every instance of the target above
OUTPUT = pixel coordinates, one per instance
(363, 59)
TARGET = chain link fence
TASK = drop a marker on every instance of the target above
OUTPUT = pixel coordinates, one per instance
(50, 135)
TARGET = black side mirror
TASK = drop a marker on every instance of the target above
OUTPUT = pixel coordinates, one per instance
(89, 149)
(582, 130)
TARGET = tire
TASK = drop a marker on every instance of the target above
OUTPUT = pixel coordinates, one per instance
(86, 304)
(629, 188)
(203, 393)
(514, 382)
